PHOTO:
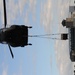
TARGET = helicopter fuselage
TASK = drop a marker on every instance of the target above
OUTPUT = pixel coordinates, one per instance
(14, 35)
(70, 24)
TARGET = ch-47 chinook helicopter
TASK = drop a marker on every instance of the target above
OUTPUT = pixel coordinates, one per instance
(14, 35)
(69, 23)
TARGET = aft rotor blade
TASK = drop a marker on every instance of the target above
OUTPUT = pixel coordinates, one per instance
(5, 16)
(11, 51)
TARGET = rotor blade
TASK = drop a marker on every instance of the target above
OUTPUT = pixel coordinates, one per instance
(11, 51)
(5, 16)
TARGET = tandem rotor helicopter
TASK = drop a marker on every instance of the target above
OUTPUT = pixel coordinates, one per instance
(17, 35)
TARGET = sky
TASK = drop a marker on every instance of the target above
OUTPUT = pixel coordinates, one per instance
(45, 56)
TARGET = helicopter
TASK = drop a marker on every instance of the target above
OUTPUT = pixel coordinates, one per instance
(69, 23)
(15, 35)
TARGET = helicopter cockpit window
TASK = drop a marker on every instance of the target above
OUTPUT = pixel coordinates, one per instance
(4, 42)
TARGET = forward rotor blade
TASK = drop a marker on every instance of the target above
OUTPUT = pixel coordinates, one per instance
(5, 16)
(11, 51)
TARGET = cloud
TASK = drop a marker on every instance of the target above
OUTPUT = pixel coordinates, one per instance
(30, 11)
(32, 7)
(21, 4)
(4, 72)
(62, 58)
(47, 15)
(1, 13)
(15, 10)
(5, 69)
(12, 11)
(52, 13)
(20, 9)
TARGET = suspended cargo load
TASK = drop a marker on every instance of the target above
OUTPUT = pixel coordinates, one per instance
(64, 36)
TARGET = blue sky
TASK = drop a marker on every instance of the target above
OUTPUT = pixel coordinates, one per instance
(45, 56)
